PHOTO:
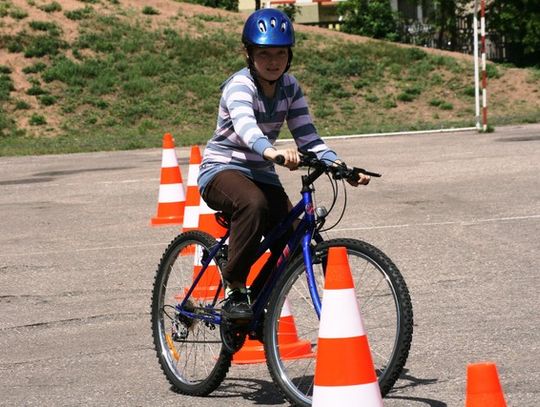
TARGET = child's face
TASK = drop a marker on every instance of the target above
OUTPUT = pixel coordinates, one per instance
(270, 63)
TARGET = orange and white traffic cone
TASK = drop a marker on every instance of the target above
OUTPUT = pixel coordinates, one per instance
(290, 346)
(210, 281)
(483, 386)
(197, 214)
(344, 371)
(171, 198)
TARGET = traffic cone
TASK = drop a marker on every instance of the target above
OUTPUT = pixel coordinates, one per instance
(290, 346)
(210, 281)
(197, 214)
(483, 386)
(171, 198)
(344, 371)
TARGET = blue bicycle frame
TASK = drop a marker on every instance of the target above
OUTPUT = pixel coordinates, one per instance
(304, 233)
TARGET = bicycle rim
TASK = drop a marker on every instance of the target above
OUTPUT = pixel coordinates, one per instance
(384, 304)
(189, 350)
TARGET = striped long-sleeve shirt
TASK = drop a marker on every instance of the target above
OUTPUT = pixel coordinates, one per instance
(248, 123)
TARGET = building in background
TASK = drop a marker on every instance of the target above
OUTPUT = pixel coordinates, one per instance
(323, 13)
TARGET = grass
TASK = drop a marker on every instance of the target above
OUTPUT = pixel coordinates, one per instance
(121, 85)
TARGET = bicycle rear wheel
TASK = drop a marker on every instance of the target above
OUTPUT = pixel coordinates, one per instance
(385, 307)
(189, 350)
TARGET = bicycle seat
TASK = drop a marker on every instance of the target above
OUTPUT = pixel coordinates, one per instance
(223, 219)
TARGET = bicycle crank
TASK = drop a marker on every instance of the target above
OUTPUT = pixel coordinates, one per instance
(233, 335)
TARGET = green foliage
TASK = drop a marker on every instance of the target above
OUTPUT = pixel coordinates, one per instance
(443, 17)
(22, 105)
(47, 100)
(409, 94)
(519, 22)
(18, 14)
(6, 85)
(149, 10)
(42, 45)
(291, 9)
(47, 26)
(35, 68)
(372, 18)
(79, 14)
(446, 106)
(492, 71)
(469, 91)
(51, 7)
(7, 125)
(37, 120)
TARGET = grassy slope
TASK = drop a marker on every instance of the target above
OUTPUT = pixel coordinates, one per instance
(117, 78)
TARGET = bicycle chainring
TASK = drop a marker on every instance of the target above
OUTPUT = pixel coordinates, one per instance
(233, 335)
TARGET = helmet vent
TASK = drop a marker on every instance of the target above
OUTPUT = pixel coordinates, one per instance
(283, 26)
(273, 22)
(262, 26)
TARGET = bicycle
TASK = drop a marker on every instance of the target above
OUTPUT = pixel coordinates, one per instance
(195, 345)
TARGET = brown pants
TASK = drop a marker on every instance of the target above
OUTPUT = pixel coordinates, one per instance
(254, 209)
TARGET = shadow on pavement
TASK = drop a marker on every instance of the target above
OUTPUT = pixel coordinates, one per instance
(405, 381)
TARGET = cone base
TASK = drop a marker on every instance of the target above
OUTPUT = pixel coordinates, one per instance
(253, 352)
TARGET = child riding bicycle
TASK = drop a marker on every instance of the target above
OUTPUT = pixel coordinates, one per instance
(237, 174)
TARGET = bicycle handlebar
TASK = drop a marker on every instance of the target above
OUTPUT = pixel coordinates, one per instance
(338, 171)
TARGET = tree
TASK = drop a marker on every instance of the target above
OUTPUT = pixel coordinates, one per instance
(372, 18)
(443, 17)
(518, 21)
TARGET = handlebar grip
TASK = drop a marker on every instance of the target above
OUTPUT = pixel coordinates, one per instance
(279, 160)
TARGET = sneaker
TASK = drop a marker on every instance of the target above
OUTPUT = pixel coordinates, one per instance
(237, 306)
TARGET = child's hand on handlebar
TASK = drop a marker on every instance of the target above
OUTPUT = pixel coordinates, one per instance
(362, 180)
(291, 156)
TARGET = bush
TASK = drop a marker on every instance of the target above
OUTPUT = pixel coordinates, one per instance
(51, 28)
(37, 67)
(148, 10)
(446, 106)
(47, 100)
(37, 120)
(373, 18)
(405, 97)
(35, 90)
(51, 7)
(79, 14)
(18, 14)
(44, 45)
(6, 86)
(22, 105)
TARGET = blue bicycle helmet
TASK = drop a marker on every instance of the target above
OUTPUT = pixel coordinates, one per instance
(268, 27)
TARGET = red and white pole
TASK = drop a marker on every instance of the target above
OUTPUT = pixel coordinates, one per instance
(476, 67)
(483, 52)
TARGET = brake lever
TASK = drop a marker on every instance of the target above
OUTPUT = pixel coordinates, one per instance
(357, 171)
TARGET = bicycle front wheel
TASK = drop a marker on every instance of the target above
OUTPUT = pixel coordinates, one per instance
(291, 319)
(189, 350)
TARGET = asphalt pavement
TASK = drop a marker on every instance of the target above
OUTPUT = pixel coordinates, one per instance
(459, 213)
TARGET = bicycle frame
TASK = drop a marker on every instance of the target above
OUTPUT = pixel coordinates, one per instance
(303, 234)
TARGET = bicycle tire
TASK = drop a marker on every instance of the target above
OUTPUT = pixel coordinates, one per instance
(197, 364)
(385, 307)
